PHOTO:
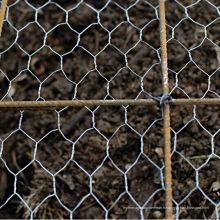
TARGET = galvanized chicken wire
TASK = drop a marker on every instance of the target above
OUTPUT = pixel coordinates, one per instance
(108, 161)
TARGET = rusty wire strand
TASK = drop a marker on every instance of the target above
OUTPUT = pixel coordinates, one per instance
(166, 121)
(116, 102)
(2, 14)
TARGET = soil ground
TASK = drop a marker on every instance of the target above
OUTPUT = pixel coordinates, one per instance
(62, 71)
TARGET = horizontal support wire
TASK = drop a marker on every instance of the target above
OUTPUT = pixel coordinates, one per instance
(117, 102)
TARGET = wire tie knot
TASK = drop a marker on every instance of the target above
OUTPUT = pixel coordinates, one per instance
(163, 100)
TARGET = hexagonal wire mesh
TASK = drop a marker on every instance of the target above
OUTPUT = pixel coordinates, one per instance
(107, 161)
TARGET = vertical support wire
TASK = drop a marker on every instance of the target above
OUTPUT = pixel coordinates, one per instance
(2, 14)
(167, 132)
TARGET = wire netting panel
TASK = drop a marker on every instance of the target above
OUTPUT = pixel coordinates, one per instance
(107, 162)
(194, 44)
(78, 50)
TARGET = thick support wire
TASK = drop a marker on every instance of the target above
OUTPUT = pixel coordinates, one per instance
(2, 13)
(166, 124)
(116, 102)
(140, 102)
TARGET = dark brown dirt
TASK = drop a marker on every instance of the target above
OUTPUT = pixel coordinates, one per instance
(86, 147)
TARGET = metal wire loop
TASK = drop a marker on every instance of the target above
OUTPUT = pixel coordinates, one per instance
(163, 100)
